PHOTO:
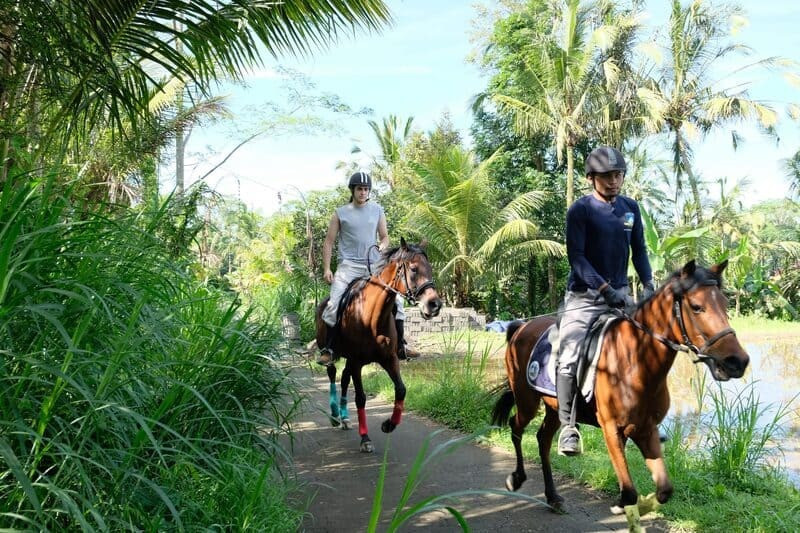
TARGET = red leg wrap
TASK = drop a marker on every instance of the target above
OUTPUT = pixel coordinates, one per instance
(397, 413)
(362, 421)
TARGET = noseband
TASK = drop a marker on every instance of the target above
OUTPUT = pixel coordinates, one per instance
(697, 354)
(411, 296)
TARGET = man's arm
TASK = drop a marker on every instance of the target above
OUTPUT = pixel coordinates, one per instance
(327, 247)
(383, 234)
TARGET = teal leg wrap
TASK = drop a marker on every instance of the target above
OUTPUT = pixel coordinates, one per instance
(343, 407)
(333, 401)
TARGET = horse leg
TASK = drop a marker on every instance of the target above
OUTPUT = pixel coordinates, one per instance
(615, 442)
(361, 402)
(344, 415)
(518, 423)
(650, 446)
(544, 437)
(392, 422)
(333, 400)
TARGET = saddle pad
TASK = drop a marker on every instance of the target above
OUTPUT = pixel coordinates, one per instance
(541, 371)
(539, 376)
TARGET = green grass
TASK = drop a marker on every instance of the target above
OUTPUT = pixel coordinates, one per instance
(721, 483)
(752, 327)
(132, 397)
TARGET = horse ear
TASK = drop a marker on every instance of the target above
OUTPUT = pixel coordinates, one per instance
(403, 244)
(424, 244)
(717, 269)
(688, 269)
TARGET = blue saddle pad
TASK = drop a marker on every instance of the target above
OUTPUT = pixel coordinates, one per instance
(537, 374)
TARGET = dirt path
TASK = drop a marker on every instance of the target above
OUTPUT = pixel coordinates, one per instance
(329, 461)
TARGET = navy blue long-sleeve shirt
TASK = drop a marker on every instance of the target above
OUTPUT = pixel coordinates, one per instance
(599, 239)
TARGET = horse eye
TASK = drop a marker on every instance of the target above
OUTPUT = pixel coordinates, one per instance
(697, 308)
(413, 269)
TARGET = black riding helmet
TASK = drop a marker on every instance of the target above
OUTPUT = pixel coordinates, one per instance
(605, 159)
(359, 178)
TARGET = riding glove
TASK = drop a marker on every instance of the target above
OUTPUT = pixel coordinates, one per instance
(612, 296)
(648, 290)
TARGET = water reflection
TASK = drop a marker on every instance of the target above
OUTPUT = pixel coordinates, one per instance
(774, 372)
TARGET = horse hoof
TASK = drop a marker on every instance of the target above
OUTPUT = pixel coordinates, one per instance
(345, 423)
(616, 509)
(387, 426)
(558, 507)
(513, 482)
(367, 447)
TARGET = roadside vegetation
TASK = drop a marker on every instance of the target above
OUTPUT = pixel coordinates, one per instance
(140, 310)
(719, 458)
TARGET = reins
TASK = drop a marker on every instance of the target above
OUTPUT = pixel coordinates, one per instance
(696, 354)
(410, 296)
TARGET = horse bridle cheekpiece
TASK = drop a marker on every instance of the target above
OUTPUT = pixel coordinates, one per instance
(697, 354)
(413, 296)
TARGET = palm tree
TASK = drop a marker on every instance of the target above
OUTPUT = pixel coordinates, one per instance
(70, 68)
(454, 208)
(568, 74)
(686, 99)
(792, 168)
(391, 142)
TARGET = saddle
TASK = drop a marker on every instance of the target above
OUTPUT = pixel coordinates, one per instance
(349, 293)
(541, 371)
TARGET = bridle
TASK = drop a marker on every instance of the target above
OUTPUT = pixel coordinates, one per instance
(411, 296)
(696, 353)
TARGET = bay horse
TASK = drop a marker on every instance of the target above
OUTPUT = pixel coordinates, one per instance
(367, 332)
(630, 393)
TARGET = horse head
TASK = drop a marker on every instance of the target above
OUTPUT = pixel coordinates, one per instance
(700, 313)
(413, 277)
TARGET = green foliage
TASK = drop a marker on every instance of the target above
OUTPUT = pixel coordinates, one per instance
(133, 397)
(706, 498)
(739, 442)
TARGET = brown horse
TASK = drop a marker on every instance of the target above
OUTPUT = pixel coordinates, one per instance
(631, 396)
(367, 331)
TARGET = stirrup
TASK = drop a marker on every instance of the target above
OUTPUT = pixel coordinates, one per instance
(575, 446)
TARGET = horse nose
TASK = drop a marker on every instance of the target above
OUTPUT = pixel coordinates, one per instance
(434, 306)
(736, 365)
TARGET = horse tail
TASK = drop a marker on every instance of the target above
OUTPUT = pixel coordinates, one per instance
(512, 328)
(502, 409)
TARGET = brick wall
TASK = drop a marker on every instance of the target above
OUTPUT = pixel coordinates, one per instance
(449, 319)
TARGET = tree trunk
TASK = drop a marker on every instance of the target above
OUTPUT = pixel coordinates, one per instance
(531, 286)
(551, 283)
(180, 141)
(8, 33)
(570, 176)
(680, 145)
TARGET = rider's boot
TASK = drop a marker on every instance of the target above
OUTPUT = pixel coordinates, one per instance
(325, 356)
(569, 441)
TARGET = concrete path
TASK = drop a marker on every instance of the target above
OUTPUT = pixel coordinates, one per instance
(342, 480)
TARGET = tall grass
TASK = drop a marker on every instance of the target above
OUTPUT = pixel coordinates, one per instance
(741, 437)
(131, 397)
(718, 462)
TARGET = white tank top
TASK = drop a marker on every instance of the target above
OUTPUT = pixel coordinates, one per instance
(358, 230)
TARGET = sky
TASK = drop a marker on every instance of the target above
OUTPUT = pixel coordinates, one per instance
(418, 67)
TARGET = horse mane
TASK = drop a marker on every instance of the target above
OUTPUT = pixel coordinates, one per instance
(413, 248)
(680, 285)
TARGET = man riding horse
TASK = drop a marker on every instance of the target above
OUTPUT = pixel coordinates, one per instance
(355, 224)
(602, 228)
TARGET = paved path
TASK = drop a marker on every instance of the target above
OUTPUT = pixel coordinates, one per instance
(328, 460)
